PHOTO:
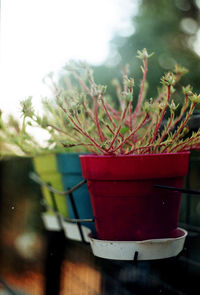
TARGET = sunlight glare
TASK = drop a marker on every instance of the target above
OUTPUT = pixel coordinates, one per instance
(40, 36)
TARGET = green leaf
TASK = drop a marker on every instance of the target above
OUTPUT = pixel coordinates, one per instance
(124, 130)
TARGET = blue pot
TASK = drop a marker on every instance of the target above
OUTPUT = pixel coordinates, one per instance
(70, 168)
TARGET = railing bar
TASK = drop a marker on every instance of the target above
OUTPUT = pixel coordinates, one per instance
(77, 216)
(194, 159)
(55, 208)
(188, 200)
(187, 191)
(190, 227)
(74, 220)
(37, 179)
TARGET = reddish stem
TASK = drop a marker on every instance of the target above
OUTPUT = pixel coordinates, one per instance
(144, 147)
(147, 131)
(182, 111)
(185, 144)
(95, 104)
(119, 128)
(83, 132)
(168, 128)
(88, 112)
(77, 118)
(114, 112)
(130, 119)
(58, 129)
(185, 121)
(112, 132)
(162, 115)
(83, 84)
(131, 134)
(109, 117)
(141, 97)
(87, 135)
(97, 121)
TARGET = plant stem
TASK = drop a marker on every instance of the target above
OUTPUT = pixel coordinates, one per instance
(131, 134)
(183, 110)
(144, 147)
(120, 126)
(77, 118)
(185, 144)
(130, 119)
(185, 121)
(23, 130)
(88, 112)
(95, 104)
(82, 83)
(83, 132)
(58, 129)
(146, 134)
(115, 113)
(162, 116)
(141, 97)
(101, 136)
(107, 113)
(86, 134)
(168, 127)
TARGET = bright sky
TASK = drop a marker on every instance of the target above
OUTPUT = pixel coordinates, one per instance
(39, 36)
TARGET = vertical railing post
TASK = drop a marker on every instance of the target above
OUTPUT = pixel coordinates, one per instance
(76, 216)
(55, 253)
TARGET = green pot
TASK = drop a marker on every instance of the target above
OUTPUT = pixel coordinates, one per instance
(45, 166)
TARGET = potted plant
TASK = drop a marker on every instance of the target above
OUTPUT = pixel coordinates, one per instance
(10, 137)
(131, 151)
(17, 141)
(63, 164)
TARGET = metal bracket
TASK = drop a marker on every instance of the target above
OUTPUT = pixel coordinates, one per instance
(182, 190)
(54, 191)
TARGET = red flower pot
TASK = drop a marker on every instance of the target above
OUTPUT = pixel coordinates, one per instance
(125, 204)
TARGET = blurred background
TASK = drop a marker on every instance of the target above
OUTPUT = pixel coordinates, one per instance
(39, 37)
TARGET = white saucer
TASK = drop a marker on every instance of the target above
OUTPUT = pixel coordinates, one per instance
(146, 250)
(50, 221)
(72, 231)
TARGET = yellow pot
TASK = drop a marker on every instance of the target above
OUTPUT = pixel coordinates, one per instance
(45, 166)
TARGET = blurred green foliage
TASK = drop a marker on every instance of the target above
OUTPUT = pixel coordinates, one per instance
(167, 28)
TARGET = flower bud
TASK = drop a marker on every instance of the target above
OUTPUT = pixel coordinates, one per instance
(147, 107)
(168, 79)
(27, 108)
(195, 98)
(144, 54)
(180, 70)
(127, 96)
(172, 106)
(187, 90)
(130, 83)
